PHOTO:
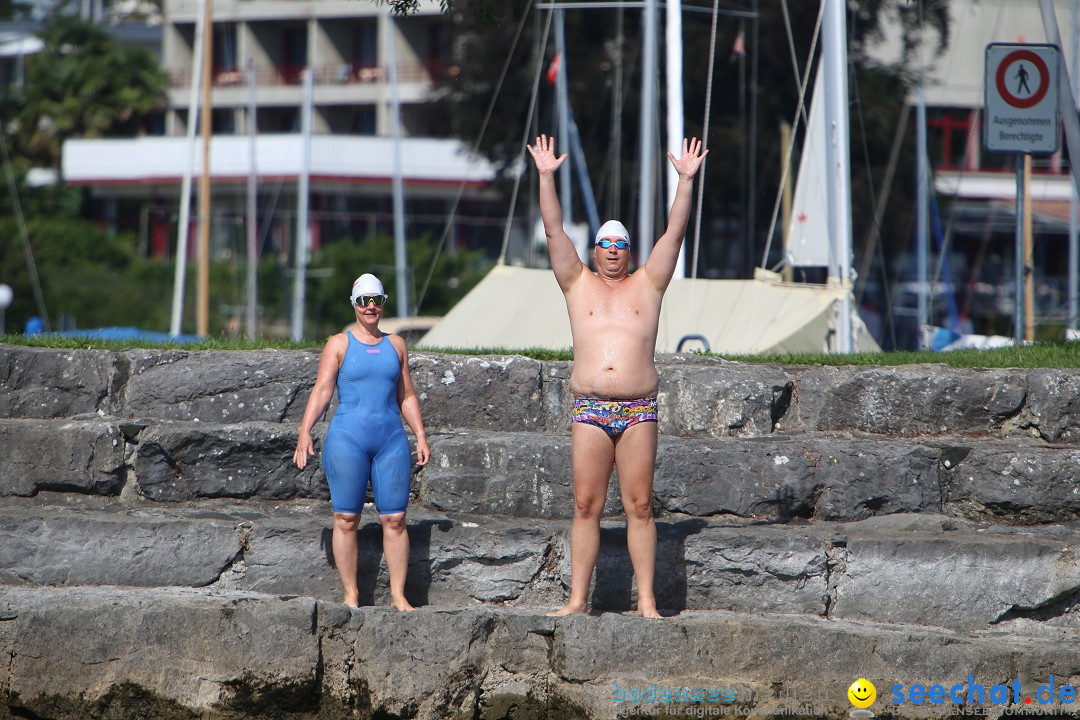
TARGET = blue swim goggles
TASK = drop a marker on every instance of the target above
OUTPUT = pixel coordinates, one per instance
(605, 244)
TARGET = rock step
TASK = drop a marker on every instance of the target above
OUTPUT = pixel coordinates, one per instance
(699, 397)
(72, 649)
(527, 474)
(914, 569)
(780, 477)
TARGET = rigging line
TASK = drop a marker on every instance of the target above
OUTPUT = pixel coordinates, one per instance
(794, 58)
(939, 265)
(890, 317)
(801, 108)
(865, 148)
(873, 234)
(475, 151)
(704, 142)
(31, 267)
(521, 153)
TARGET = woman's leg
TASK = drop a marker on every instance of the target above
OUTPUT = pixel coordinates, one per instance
(345, 555)
(396, 550)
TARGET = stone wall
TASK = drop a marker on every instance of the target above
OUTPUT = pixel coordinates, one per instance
(918, 523)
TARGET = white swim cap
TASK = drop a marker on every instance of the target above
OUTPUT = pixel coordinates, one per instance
(612, 228)
(366, 284)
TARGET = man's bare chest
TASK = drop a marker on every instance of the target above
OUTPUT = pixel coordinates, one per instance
(622, 302)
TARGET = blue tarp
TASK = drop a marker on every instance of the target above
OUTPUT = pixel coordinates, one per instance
(127, 333)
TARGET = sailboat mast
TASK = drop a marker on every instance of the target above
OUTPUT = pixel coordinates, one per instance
(922, 212)
(398, 187)
(1074, 196)
(834, 57)
(302, 200)
(202, 317)
(673, 68)
(647, 148)
(562, 102)
(180, 277)
(252, 216)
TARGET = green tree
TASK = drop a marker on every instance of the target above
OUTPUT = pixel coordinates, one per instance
(13, 9)
(83, 84)
(327, 307)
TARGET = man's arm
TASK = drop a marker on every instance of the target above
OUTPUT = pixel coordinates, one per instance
(665, 254)
(565, 262)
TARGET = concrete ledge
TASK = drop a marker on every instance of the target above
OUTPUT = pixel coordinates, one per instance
(918, 570)
(700, 397)
(207, 651)
(811, 476)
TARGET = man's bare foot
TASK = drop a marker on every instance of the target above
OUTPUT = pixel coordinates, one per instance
(570, 609)
(402, 605)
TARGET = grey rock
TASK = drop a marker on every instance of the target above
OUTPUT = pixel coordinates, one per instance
(450, 563)
(442, 676)
(1015, 482)
(1053, 407)
(74, 456)
(190, 461)
(454, 561)
(78, 643)
(968, 580)
(908, 400)
(757, 656)
(912, 524)
(47, 383)
(515, 474)
(196, 649)
(219, 386)
(702, 566)
(494, 562)
(142, 549)
(717, 400)
(786, 477)
(558, 400)
(491, 392)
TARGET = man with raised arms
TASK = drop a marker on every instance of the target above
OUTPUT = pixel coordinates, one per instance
(614, 316)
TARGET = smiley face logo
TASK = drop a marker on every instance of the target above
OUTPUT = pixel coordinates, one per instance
(862, 693)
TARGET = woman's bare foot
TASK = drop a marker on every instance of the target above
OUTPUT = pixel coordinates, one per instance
(402, 605)
(648, 611)
(352, 600)
(570, 609)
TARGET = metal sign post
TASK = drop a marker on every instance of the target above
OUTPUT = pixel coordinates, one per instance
(1021, 118)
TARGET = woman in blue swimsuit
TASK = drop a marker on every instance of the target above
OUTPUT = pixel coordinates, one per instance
(365, 442)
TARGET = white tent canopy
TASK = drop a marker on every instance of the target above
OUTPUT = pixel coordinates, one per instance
(522, 308)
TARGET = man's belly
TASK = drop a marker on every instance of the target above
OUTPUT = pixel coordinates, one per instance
(614, 366)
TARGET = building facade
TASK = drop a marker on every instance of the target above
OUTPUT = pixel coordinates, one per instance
(261, 51)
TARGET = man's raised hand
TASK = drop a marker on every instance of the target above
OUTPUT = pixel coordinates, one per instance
(544, 155)
(687, 165)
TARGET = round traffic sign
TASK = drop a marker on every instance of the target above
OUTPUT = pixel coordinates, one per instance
(1013, 99)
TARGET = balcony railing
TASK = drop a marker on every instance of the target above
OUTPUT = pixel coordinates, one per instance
(334, 74)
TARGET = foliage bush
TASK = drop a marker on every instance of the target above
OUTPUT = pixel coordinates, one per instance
(343, 261)
(91, 279)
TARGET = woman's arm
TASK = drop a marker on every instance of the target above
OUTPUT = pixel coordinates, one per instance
(329, 364)
(409, 403)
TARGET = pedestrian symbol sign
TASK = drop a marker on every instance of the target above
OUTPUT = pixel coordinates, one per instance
(1022, 98)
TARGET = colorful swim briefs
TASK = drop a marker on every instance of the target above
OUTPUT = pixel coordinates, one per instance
(614, 416)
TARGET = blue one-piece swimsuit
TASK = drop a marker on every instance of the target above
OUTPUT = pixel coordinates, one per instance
(365, 440)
